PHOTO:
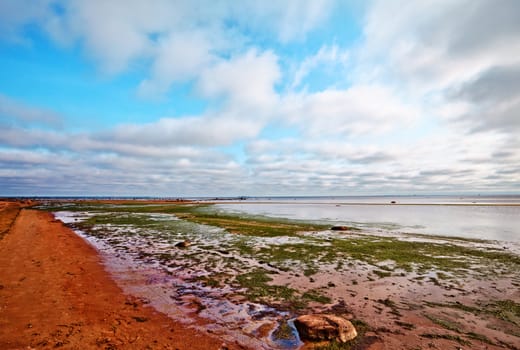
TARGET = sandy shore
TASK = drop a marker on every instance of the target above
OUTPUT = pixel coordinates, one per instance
(55, 293)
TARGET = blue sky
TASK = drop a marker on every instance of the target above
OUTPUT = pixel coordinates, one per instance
(213, 98)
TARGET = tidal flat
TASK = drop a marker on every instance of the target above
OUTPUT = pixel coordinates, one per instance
(247, 276)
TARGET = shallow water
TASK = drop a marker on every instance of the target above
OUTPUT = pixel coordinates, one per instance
(491, 222)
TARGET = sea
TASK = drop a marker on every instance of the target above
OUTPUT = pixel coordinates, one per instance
(473, 217)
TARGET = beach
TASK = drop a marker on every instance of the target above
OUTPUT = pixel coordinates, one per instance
(161, 274)
(55, 293)
(264, 175)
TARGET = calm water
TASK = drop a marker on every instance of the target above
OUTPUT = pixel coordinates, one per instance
(483, 217)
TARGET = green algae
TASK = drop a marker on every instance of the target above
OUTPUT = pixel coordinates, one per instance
(303, 253)
(451, 337)
(444, 323)
(259, 289)
(407, 255)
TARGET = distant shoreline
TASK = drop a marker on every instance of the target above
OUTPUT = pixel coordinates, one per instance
(512, 200)
(361, 203)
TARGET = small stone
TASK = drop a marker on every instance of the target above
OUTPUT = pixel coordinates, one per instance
(340, 228)
(183, 244)
(140, 319)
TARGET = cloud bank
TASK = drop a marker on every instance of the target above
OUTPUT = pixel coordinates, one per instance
(424, 99)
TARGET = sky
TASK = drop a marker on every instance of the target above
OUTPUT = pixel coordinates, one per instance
(259, 98)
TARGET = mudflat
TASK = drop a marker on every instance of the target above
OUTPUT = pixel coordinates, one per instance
(54, 292)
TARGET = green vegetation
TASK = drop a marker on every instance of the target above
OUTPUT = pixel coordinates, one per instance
(444, 323)
(314, 295)
(259, 290)
(134, 220)
(443, 276)
(260, 227)
(405, 325)
(361, 328)
(382, 274)
(283, 331)
(387, 302)
(456, 338)
(479, 337)
(278, 245)
(456, 305)
(309, 271)
(505, 310)
(422, 255)
(406, 255)
(209, 281)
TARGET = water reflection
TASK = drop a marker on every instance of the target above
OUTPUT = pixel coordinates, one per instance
(494, 222)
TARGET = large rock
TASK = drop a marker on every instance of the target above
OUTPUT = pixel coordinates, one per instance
(325, 327)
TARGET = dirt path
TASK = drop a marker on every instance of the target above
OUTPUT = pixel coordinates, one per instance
(55, 293)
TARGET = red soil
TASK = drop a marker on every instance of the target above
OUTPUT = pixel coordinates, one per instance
(55, 293)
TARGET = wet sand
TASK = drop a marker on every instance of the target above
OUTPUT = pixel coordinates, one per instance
(55, 293)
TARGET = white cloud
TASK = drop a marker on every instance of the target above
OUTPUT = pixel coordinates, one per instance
(246, 80)
(23, 137)
(328, 56)
(428, 101)
(179, 57)
(200, 131)
(445, 162)
(177, 37)
(492, 100)
(357, 110)
(16, 14)
(435, 44)
(288, 20)
(19, 112)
